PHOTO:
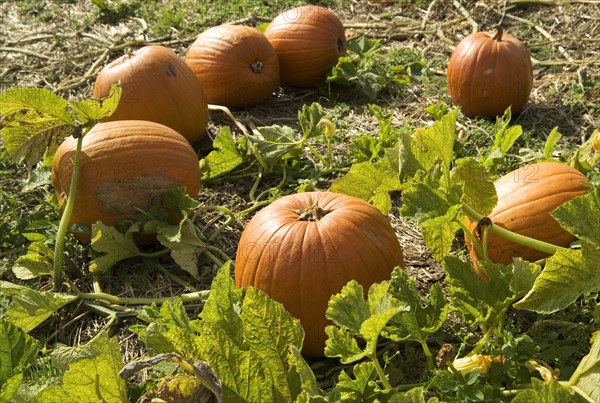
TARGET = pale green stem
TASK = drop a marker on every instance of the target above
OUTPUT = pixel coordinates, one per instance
(113, 299)
(317, 154)
(230, 115)
(255, 184)
(513, 236)
(489, 332)
(381, 373)
(63, 227)
(474, 240)
(580, 392)
(428, 355)
(485, 242)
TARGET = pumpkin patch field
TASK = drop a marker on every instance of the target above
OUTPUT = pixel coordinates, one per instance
(300, 201)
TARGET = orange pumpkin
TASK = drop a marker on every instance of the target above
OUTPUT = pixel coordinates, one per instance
(488, 72)
(125, 166)
(307, 39)
(303, 248)
(236, 65)
(157, 86)
(526, 197)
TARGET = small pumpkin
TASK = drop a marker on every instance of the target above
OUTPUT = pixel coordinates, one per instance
(305, 247)
(125, 166)
(307, 39)
(526, 197)
(236, 65)
(488, 72)
(157, 86)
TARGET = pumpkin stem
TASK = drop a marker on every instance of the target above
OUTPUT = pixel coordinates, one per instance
(256, 66)
(498, 34)
(312, 213)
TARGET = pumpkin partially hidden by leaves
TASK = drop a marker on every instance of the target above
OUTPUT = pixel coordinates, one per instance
(488, 72)
(526, 197)
(125, 167)
(307, 39)
(236, 65)
(157, 86)
(303, 248)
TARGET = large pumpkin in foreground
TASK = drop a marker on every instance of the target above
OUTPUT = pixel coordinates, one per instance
(157, 86)
(526, 197)
(305, 247)
(488, 72)
(125, 167)
(307, 39)
(236, 65)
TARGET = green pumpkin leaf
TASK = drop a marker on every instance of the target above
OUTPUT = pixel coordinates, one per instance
(371, 182)
(574, 216)
(428, 147)
(17, 351)
(477, 182)
(35, 263)
(355, 316)
(222, 308)
(504, 139)
(91, 379)
(37, 120)
(9, 389)
(186, 246)
(223, 159)
(553, 137)
(348, 308)
(564, 278)
(252, 365)
(572, 272)
(111, 246)
(586, 376)
(547, 392)
(18, 102)
(274, 144)
(301, 378)
(308, 119)
(363, 387)
(475, 299)
(29, 308)
(439, 233)
(426, 314)
(92, 111)
(341, 343)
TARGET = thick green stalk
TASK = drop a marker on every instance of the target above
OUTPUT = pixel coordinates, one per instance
(428, 355)
(513, 236)
(59, 247)
(113, 299)
(381, 373)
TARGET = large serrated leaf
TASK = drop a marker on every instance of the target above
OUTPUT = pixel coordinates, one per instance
(91, 379)
(17, 350)
(426, 314)
(92, 111)
(111, 246)
(29, 308)
(370, 182)
(224, 158)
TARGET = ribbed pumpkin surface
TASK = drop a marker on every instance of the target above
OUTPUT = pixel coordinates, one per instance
(157, 86)
(236, 65)
(526, 197)
(301, 263)
(307, 39)
(487, 74)
(125, 166)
